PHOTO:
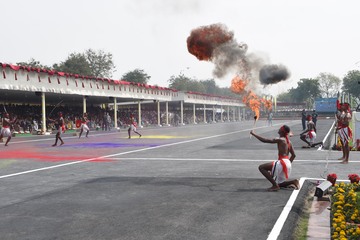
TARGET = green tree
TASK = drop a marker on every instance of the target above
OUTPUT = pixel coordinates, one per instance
(100, 63)
(183, 83)
(196, 86)
(351, 83)
(180, 82)
(137, 76)
(306, 91)
(33, 63)
(226, 91)
(210, 86)
(329, 84)
(76, 63)
(285, 97)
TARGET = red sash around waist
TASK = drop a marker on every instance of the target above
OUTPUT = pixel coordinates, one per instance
(283, 164)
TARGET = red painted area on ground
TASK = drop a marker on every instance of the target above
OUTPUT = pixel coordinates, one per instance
(46, 157)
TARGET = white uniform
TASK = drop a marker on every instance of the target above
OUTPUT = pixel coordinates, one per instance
(5, 132)
(278, 172)
(311, 136)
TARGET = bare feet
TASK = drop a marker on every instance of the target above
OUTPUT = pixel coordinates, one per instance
(62, 143)
(345, 162)
(273, 189)
(54, 145)
(297, 184)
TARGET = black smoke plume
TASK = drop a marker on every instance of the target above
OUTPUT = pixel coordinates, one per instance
(271, 74)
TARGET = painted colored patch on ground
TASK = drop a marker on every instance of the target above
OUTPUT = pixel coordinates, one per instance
(45, 157)
(160, 137)
(108, 145)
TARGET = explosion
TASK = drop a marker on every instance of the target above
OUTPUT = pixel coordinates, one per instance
(238, 85)
(250, 99)
(253, 102)
(216, 43)
(267, 103)
(202, 41)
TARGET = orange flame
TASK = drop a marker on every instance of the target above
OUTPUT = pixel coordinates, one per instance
(238, 85)
(267, 103)
(250, 99)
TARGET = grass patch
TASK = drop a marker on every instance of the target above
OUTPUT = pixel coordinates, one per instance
(301, 229)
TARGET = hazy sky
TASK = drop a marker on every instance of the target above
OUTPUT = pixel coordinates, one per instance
(307, 36)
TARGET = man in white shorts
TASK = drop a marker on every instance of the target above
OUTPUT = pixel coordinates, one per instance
(84, 126)
(277, 172)
(309, 135)
(5, 130)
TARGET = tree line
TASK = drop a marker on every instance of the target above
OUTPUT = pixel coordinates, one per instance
(325, 85)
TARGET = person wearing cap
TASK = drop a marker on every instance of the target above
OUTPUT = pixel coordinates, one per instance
(277, 172)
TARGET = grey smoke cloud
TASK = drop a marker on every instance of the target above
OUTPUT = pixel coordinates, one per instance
(271, 74)
(217, 44)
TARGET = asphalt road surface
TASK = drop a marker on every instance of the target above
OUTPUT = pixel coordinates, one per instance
(189, 182)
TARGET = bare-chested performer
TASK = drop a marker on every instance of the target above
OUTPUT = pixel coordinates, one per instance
(132, 127)
(344, 131)
(84, 126)
(277, 172)
(59, 125)
(309, 135)
(6, 128)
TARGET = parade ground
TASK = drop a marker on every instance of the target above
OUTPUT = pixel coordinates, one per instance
(193, 182)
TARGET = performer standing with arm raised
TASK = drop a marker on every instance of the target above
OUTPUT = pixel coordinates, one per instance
(277, 172)
(59, 125)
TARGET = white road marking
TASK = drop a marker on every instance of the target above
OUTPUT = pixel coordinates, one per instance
(216, 160)
(123, 153)
(279, 224)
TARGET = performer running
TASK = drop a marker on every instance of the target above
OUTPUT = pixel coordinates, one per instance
(6, 128)
(132, 127)
(60, 126)
(277, 172)
(84, 126)
(309, 135)
(344, 131)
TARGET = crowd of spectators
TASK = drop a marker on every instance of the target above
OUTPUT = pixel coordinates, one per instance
(29, 117)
